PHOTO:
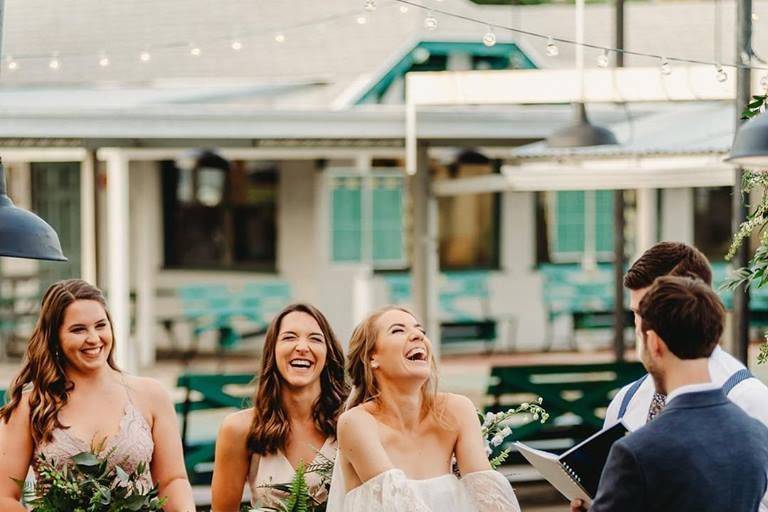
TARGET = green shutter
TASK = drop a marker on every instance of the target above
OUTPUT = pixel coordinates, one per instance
(387, 192)
(346, 219)
(569, 223)
(604, 221)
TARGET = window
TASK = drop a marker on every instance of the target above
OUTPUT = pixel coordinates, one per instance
(712, 221)
(367, 212)
(577, 225)
(220, 219)
(468, 224)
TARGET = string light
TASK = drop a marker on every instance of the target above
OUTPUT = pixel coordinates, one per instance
(280, 37)
(54, 62)
(403, 9)
(430, 22)
(236, 45)
(104, 60)
(195, 50)
(552, 49)
(721, 75)
(489, 39)
(145, 56)
(602, 59)
(764, 82)
(666, 69)
(12, 64)
(755, 16)
(362, 20)
(370, 5)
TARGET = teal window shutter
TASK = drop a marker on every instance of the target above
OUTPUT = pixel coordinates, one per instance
(604, 221)
(387, 223)
(569, 223)
(346, 218)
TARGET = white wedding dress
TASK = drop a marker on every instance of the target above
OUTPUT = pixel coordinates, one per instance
(392, 491)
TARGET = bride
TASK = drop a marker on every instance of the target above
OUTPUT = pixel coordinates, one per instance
(399, 437)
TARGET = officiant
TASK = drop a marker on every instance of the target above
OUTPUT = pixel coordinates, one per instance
(702, 452)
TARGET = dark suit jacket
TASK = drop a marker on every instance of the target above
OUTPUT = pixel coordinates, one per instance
(701, 454)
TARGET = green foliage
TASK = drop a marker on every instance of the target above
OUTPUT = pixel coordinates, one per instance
(497, 427)
(86, 483)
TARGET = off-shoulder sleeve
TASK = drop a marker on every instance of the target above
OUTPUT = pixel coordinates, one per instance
(389, 491)
(490, 492)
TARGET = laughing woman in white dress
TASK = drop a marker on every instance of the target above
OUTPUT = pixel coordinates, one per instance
(399, 436)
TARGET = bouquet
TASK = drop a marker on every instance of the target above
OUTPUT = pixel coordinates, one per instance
(299, 497)
(496, 427)
(88, 484)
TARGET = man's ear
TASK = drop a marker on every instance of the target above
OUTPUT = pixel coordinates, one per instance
(655, 345)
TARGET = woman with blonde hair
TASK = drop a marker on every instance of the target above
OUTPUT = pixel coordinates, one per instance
(399, 437)
(70, 397)
(301, 393)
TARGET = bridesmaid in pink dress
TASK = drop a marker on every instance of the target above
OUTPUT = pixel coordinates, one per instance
(70, 396)
(301, 393)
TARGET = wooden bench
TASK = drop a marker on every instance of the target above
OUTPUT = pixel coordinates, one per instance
(211, 393)
(575, 397)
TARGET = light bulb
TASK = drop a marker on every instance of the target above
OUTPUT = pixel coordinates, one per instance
(145, 56)
(722, 76)
(755, 16)
(489, 39)
(103, 61)
(236, 45)
(195, 51)
(279, 37)
(54, 63)
(666, 69)
(362, 20)
(420, 55)
(370, 5)
(602, 59)
(12, 64)
(552, 49)
(403, 9)
(430, 22)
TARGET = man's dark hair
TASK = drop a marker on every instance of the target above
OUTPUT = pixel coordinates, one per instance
(668, 258)
(686, 313)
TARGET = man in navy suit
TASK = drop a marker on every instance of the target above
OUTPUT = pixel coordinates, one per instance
(702, 453)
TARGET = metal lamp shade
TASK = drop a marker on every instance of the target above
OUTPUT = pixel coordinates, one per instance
(23, 234)
(750, 145)
(581, 133)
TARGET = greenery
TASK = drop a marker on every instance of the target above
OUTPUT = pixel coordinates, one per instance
(87, 483)
(497, 427)
(755, 274)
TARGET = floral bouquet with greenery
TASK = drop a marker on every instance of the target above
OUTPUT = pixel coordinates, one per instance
(497, 427)
(298, 497)
(87, 483)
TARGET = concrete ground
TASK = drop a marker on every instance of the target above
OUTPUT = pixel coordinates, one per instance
(465, 374)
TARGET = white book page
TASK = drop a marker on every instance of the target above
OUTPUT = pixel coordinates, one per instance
(549, 466)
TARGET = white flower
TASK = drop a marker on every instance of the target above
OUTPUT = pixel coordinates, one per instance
(506, 432)
(535, 416)
(540, 400)
(489, 417)
(524, 406)
(488, 451)
(497, 440)
(507, 422)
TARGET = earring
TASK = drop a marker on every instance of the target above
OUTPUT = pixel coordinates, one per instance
(374, 364)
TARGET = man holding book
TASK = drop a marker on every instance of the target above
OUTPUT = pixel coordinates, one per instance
(702, 453)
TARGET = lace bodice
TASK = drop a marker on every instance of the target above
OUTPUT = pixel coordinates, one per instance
(131, 445)
(392, 491)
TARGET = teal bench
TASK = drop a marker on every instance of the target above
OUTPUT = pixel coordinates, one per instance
(464, 307)
(575, 397)
(2, 396)
(208, 392)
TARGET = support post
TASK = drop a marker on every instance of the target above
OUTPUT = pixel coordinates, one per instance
(425, 272)
(88, 268)
(618, 222)
(740, 208)
(118, 284)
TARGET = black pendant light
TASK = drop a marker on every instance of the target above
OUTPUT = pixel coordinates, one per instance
(750, 145)
(581, 132)
(23, 234)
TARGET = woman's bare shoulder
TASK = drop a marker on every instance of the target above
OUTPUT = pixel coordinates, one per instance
(356, 419)
(456, 407)
(238, 423)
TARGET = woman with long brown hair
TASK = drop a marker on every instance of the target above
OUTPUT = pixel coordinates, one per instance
(70, 397)
(301, 393)
(399, 438)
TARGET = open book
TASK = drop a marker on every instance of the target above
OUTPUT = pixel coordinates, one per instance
(576, 472)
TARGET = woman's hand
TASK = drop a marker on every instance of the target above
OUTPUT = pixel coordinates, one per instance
(16, 448)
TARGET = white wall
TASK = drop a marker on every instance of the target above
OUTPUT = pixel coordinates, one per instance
(677, 215)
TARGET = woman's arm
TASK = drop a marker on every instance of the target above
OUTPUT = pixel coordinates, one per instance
(360, 446)
(470, 449)
(167, 463)
(16, 447)
(232, 462)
